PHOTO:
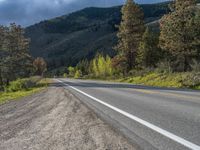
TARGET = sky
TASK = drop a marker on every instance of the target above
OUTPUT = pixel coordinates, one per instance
(28, 12)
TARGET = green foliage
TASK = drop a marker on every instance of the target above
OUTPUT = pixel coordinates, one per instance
(108, 66)
(65, 75)
(82, 19)
(83, 66)
(23, 87)
(6, 96)
(101, 66)
(15, 61)
(176, 80)
(149, 54)
(195, 66)
(164, 67)
(65, 36)
(130, 33)
(192, 80)
(78, 74)
(22, 84)
(180, 34)
(71, 71)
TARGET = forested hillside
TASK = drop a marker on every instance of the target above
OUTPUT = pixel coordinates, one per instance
(66, 40)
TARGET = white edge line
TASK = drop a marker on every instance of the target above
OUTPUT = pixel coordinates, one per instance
(143, 122)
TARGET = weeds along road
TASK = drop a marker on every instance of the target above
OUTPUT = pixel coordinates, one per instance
(55, 120)
(154, 118)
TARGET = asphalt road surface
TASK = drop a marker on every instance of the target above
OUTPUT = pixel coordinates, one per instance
(153, 118)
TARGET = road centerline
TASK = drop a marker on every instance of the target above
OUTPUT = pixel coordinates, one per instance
(153, 127)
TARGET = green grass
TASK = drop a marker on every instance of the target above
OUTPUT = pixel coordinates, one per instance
(7, 96)
(175, 80)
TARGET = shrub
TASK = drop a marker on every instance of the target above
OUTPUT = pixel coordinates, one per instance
(101, 66)
(21, 84)
(191, 80)
(64, 75)
(78, 74)
(71, 71)
(142, 72)
(195, 66)
(164, 67)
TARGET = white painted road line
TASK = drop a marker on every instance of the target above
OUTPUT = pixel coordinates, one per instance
(171, 136)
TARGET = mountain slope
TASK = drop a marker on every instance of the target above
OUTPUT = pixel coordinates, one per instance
(65, 40)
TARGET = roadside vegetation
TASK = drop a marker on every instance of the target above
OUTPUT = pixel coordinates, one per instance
(17, 66)
(166, 58)
(175, 80)
(23, 87)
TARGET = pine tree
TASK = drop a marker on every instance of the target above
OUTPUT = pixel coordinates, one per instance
(14, 48)
(180, 33)
(149, 53)
(83, 66)
(130, 33)
(2, 37)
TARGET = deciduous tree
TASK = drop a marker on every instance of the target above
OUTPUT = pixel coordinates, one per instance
(40, 66)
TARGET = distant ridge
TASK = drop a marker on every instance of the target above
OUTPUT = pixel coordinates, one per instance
(66, 40)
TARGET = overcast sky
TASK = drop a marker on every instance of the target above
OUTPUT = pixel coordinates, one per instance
(27, 12)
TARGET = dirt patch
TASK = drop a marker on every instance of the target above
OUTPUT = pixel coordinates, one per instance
(55, 120)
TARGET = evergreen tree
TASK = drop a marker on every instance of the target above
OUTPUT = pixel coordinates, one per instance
(16, 61)
(180, 34)
(2, 37)
(149, 54)
(130, 33)
(83, 66)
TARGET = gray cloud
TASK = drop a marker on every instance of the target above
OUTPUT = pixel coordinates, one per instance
(27, 12)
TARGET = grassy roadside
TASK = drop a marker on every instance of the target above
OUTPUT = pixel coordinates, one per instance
(187, 80)
(171, 80)
(15, 95)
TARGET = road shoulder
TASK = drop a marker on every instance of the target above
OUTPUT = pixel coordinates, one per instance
(55, 119)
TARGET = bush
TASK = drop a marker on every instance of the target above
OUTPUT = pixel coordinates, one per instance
(192, 80)
(71, 71)
(164, 67)
(78, 74)
(141, 72)
(195, 66)
(64, 75)
(21, 84)
(101, 66)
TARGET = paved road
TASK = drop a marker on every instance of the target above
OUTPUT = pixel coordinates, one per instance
(153, 118)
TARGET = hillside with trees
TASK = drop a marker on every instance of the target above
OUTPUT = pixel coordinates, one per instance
(169, 58)
(66, 40)
(109, 43)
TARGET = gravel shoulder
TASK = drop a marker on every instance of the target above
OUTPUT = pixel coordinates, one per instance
(55, 120)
